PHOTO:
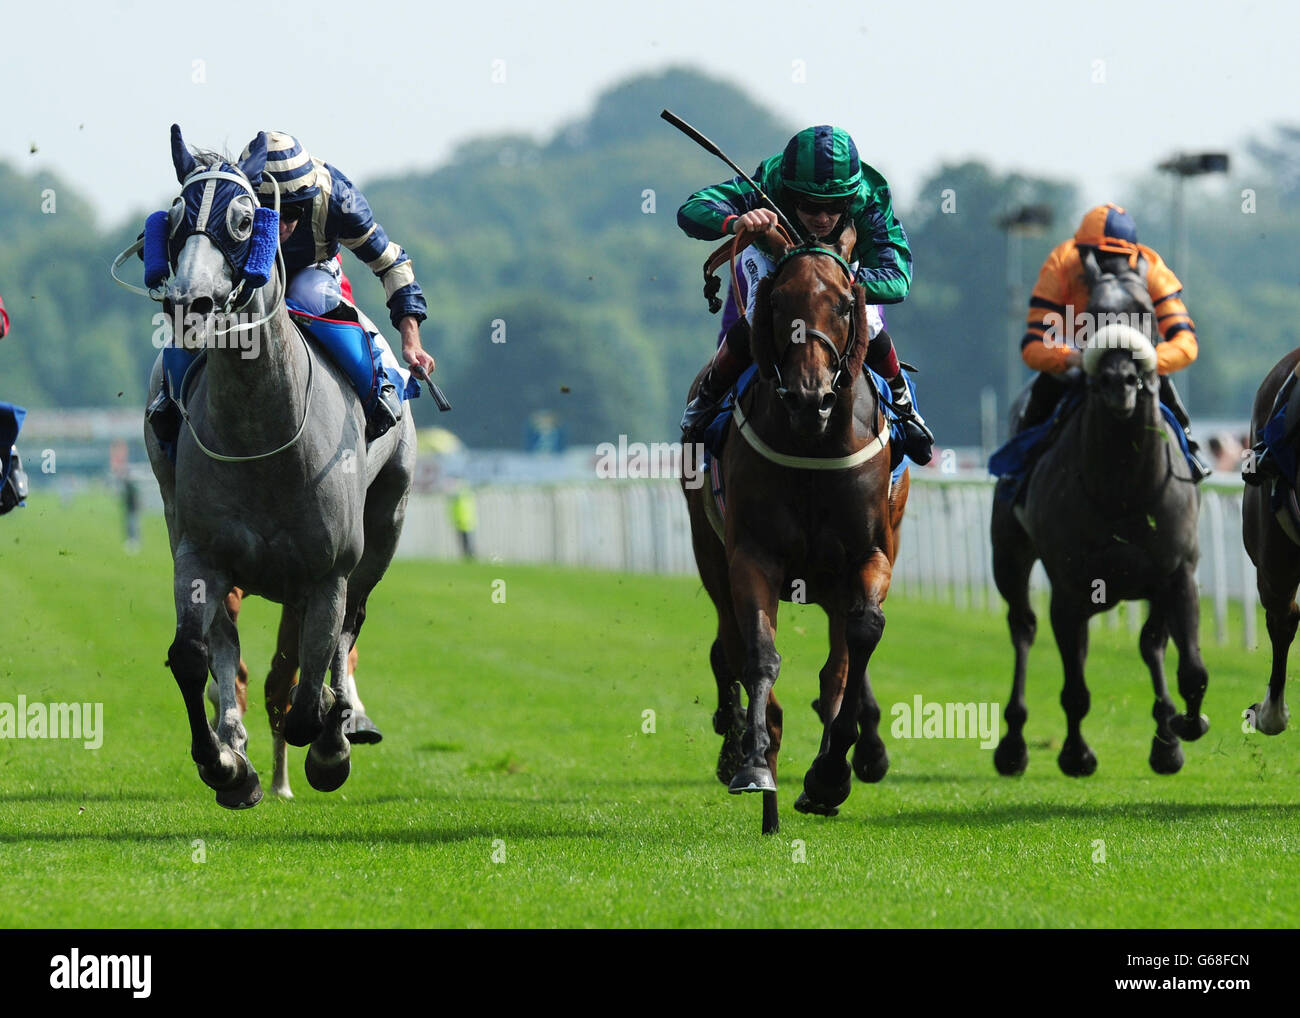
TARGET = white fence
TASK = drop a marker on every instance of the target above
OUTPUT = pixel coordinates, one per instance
(642, 526)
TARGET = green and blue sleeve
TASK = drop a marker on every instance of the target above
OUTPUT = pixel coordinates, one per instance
(882, 252)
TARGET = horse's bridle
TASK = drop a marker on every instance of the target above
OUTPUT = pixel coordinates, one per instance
(851, 461)
(837, 355)
(158, 294)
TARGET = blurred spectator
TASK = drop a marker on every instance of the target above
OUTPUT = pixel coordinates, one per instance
(1226, 452)
(464, 513)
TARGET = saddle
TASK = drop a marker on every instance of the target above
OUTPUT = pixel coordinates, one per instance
(1014, 462)
(1279, 437)
(715, 438)
(13, 483)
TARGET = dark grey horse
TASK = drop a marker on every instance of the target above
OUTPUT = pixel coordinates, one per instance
(273, 490)
(1111, 510)
(1276, 555)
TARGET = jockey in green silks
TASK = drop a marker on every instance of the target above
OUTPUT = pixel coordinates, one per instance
(818, 182)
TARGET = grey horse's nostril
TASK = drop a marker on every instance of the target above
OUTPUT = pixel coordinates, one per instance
(201, 306)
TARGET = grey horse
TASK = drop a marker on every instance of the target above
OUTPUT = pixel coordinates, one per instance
(1111, 509)
(273, 489)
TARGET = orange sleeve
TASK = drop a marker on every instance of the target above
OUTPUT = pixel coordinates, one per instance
(1177, 330)
(1044, 347)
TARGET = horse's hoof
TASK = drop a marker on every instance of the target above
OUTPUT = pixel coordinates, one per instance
(245, 795)
(327, 777)
(1189, 729)
(230, 770)
(301, 729)
(362, 731)
(828, 793)
(1011, 757)
(1268, 722)
(870, 768)
(1166, 757)
(730, 756)
(751, 779)
(1077, 762)
(806, 805)
(725, 721)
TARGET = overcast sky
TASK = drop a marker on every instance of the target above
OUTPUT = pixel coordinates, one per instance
(1098, 92)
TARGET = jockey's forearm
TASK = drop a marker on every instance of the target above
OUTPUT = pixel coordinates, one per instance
(1176, 352)
(1041, 357)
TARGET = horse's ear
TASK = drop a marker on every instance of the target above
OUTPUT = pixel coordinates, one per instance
(255, 163)
(776, 243)
(1091, 270)
(760, 329)
(848, 239)
(184, 162)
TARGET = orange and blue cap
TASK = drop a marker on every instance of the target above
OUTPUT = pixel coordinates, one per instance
(1108, 228)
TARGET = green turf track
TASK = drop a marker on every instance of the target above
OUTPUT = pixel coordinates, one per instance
(515, 730)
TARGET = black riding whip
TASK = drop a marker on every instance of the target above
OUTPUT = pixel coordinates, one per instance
(710, 147)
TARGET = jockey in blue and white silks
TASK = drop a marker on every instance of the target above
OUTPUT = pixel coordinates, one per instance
(321, 210)
(13, 481)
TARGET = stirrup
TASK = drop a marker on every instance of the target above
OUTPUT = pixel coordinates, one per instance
(386, 414)
(1264, 466)
(163, 417)
(701, 410)
(917, 439)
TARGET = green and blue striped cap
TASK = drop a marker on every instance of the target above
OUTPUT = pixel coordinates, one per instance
(821, 162)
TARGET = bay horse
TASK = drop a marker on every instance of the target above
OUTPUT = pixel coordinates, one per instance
(274, 488)
(810, 515)
(1111, 510)
(1275, 553)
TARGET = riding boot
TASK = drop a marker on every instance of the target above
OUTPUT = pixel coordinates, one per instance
(386, 414)
(918, 439)
(164, 417)
(1170, 398)
(1045, 393)
(723, 371)
(1261, 465)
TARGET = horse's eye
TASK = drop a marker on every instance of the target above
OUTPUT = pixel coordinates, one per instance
(175, 216)
(239, 218)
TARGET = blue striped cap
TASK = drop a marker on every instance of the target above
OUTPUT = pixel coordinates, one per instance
(821, 162)
(291, 166)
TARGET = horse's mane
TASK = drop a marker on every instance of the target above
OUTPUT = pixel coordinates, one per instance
(1117, 289)
(856, 351)
(1115, 285)
(209, 157)
(761, 345)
